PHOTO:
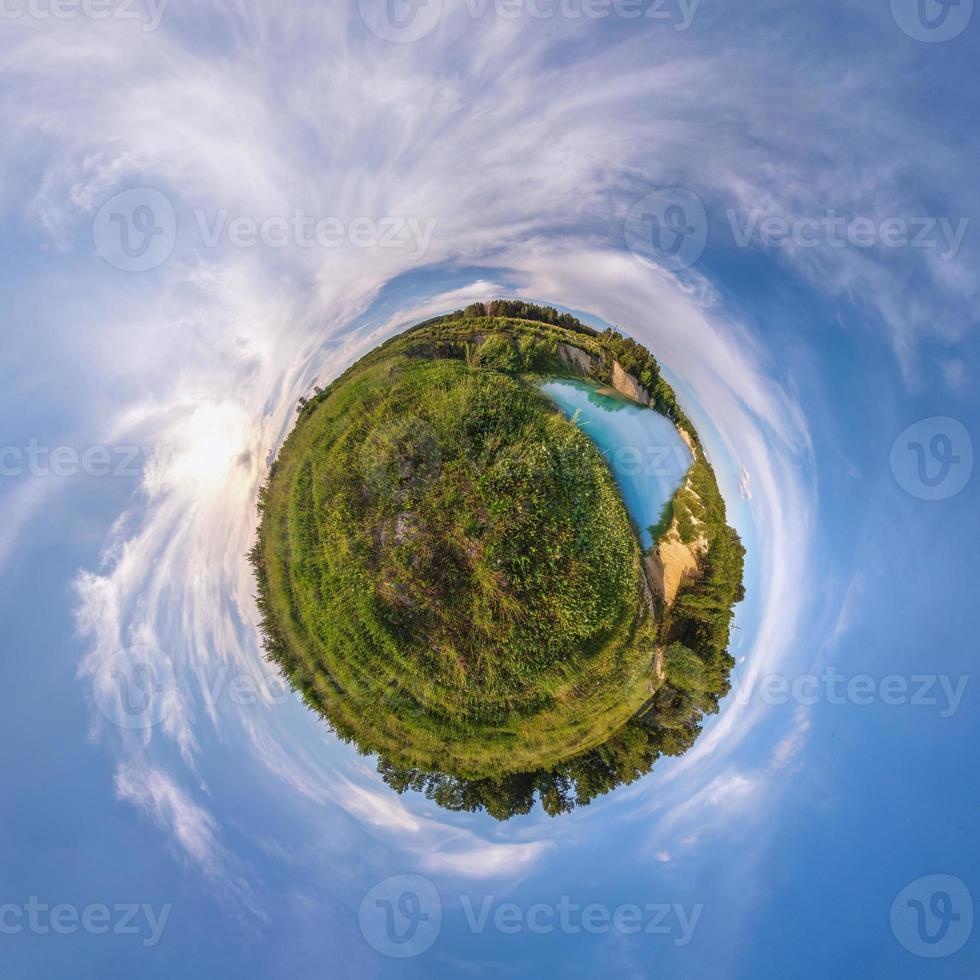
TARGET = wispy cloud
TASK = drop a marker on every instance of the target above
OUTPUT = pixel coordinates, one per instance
(157, 795)
(20, 507)
(487, 860)
(793, 743)
(528, 153)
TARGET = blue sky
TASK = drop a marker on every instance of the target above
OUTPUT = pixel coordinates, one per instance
(819, 311)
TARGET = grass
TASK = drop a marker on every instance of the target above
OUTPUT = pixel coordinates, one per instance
(449, 576)
(454, 573)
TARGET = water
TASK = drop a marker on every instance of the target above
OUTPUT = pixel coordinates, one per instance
(643, 448)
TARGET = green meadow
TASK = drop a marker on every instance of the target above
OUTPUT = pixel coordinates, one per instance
(448, 574)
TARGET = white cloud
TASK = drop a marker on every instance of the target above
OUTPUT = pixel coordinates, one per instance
(529, 163)
(487, 860)
(793, 743)
(381, 808)
(745, 485)
(157, 795)
(714, 806)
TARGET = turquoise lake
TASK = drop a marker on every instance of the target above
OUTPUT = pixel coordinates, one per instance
(643, 448)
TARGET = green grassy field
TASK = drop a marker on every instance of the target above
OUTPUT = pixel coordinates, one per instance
(448, 574)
